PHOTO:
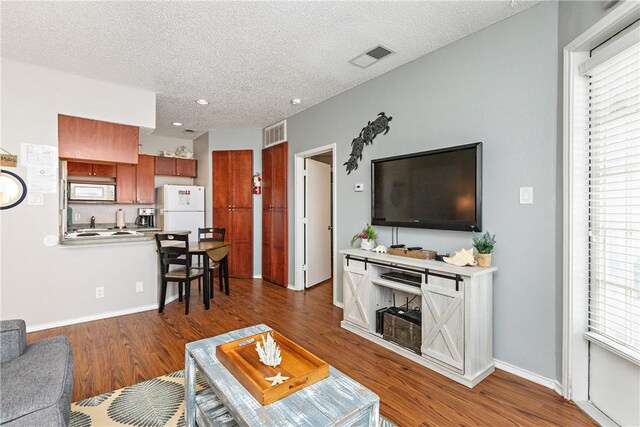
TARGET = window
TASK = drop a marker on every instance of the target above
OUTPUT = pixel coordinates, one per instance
(613, 164)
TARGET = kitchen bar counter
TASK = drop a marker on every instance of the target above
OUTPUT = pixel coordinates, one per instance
(146, 235)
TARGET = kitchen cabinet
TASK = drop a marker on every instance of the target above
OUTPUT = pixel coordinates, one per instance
(233, 206)
(172, 166)
(274, 215)
(96, 141)
(135, 183)
(91, 169)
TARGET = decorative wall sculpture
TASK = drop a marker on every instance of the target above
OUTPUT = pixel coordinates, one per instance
(366, 137)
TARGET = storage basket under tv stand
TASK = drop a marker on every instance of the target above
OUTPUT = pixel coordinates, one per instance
(460, 346)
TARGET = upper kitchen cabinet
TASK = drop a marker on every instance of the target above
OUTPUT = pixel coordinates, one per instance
(135, 183)
(79, 169)
(96, 141)
(173, 166)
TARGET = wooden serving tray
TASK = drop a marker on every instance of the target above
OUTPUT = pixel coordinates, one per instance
(422, 254)
(241, 359)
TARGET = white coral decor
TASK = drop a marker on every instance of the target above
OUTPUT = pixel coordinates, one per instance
(269, 351)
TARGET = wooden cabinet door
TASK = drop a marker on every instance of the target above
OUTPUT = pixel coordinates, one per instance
(165, 165)
(104, 171)
(267, 178)
(242, 243)
(145, 179)
(94, 140)
(356, 289)
(79, 169)
(126, 182)
(443, 321)
(187, 167)
(221, 178)
(279, 171)
(279, 264)
(267, 265)
(241, 173)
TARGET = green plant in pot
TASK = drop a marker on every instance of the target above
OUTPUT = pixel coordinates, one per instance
(367, 238)
(484, 245)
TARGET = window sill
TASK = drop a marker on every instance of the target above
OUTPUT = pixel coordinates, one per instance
(608, 344)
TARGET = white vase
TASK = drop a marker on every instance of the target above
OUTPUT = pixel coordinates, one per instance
(367, 244)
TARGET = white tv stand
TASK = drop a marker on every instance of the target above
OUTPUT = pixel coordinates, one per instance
(456, 305)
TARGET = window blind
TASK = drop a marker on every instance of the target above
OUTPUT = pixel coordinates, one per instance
(614, 196)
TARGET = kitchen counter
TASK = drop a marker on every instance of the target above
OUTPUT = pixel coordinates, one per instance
(146, 235)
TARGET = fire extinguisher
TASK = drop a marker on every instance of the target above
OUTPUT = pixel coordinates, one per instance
(257, 184)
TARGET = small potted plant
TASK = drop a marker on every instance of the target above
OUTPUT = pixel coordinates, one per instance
(367, 238)
(484, 245)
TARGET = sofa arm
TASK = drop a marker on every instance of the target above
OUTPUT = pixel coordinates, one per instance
(13, 339)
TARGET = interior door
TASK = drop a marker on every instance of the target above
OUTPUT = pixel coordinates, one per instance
(317, 200)
(242, 243)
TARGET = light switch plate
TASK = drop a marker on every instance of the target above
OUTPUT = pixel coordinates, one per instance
(358, 187)
(526, 195)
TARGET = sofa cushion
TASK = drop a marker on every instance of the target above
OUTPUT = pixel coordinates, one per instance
(37, 385)
(13, 339)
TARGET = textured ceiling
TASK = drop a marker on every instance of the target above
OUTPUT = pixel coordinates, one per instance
(249, 59)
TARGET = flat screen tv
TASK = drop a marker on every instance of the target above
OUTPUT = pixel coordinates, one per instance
(440, 189)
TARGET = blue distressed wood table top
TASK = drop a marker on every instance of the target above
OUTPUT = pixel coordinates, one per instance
(329, 402)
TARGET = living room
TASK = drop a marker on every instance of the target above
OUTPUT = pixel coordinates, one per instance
(503, 84)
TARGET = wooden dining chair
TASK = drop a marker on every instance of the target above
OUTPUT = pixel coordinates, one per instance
(219, 256)
(173, 251)
(212, 234)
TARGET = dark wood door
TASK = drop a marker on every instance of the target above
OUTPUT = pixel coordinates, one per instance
(267, 179)
(126, 183)
(145, 179)
(279, 161)
(79, 169)
(242, 244)
(221, 176)
(279, 255)
(165, 165)
(186, 167)
(266, 244)
(104, 171)
(242, 173)
(274, 215)
(93, 140)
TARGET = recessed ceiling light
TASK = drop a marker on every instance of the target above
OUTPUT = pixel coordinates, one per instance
(176, 124)
(296, 101)
(202, 102)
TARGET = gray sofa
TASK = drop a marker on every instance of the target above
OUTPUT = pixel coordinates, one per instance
(35, 380)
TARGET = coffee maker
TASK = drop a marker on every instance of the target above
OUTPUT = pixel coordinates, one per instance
(146, 217)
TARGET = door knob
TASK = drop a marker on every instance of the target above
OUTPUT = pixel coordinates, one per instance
(329, 228)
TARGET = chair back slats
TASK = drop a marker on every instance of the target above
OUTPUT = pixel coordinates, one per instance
(211, 234)
(173, 249)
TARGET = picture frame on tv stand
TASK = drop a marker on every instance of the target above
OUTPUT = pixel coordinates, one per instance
(447, 182)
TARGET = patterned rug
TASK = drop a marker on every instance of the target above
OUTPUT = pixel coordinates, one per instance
(154, 403)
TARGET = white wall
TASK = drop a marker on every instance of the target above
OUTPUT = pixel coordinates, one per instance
(202, 154)
(153, 144)
(244, 139)
(48, 285)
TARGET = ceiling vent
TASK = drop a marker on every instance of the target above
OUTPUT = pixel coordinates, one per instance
(188, 131)
(275, 133)
(371, 57)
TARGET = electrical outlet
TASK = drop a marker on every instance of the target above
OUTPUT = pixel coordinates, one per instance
(76, 217)
(139, 286)
(100, 292)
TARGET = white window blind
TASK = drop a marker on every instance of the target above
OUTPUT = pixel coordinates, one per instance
(614, 195)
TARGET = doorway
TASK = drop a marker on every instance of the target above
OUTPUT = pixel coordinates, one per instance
(315, 226)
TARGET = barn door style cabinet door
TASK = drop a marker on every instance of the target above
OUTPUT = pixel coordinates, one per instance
(456, 310)
(233, 206)
(274, 215)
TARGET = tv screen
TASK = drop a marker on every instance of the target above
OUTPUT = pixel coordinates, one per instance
(440, 189)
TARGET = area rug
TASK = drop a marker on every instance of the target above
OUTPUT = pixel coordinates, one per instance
(154, 403)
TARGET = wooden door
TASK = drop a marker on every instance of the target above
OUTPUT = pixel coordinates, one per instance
(145, 179)
(279, 255)
(97, 141)
(266, 244)
(241, 175)
(242, 244)
(104, 171)
(356, 288)
(267, 179)
(186, 167)
(221, 171)
(79, 169)
(126, 182)
(279, 172)
(274, 215)
(165, 165)
(443, 321)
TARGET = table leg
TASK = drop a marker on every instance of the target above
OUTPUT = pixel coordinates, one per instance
(205, 284)
(226, 276)
(189, 390)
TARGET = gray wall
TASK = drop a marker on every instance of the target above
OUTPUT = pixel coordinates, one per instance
(498, 86)
(574, 17)
(244, 139)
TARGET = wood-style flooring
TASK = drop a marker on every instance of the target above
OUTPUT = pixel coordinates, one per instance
(121, 351)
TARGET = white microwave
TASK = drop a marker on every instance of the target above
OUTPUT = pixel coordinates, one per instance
(89, 192)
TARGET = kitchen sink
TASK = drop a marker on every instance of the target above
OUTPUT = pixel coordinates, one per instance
(98, 233)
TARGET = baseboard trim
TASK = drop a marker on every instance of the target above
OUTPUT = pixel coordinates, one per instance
(528, 375)
(596, 414)
(100, 316)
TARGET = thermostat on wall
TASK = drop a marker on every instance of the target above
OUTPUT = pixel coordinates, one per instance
(358, 187)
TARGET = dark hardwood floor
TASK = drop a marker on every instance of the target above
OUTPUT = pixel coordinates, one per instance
(121, 351)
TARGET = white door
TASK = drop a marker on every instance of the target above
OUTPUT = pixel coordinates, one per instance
(318, 222)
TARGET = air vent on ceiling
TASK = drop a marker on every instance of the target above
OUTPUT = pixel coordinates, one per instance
(188, 131)
(275, 133)
(371, 57)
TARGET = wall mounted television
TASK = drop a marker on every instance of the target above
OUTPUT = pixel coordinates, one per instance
(438, 189)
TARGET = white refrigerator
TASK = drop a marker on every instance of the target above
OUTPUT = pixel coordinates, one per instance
(180, 208)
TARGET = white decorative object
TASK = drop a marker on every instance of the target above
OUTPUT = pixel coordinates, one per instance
(167, 153)
(380, 249)
(184, 153)
(278, 379)
(269, 351)
(367, 244)
(461, 258)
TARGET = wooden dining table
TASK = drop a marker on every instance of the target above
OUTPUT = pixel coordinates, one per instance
(201, 248)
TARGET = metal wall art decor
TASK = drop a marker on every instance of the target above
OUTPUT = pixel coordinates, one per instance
(366, 137)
